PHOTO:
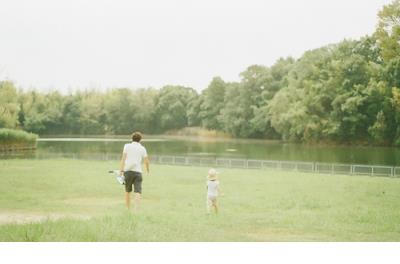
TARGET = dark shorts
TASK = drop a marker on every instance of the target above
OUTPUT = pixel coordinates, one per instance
(135, 178)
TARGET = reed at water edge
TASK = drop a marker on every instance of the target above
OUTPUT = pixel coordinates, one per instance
(11, 139)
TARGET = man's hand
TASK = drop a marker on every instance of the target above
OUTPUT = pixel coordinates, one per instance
(122, 166)
(147, 164)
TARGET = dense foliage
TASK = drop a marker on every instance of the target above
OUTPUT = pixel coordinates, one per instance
(10, 137)
(344, 92)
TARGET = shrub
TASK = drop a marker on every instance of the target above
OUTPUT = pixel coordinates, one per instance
(18, 138)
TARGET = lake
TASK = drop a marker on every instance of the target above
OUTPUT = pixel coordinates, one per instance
(231, 148)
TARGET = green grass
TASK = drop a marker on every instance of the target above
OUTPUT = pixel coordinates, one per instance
(84, 203)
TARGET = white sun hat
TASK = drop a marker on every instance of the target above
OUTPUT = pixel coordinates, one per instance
(212, 174)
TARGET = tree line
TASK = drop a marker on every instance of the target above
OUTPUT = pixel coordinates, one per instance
(344, 92)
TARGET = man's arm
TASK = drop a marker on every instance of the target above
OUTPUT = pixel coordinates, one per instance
(121, 168)
(147, 164)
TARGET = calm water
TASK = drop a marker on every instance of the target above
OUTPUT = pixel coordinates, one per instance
(248, 149)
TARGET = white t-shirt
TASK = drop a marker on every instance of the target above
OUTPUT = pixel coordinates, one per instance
(212, 188)
(135, 153)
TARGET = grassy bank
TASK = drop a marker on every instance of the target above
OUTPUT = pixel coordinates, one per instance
(78, 200)
(197, 132)
(16, 139)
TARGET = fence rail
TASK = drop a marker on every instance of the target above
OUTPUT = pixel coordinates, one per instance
(312, 167)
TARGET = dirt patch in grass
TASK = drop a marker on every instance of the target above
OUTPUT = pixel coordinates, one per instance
(280, 234)
(93, 201)
(32, 217)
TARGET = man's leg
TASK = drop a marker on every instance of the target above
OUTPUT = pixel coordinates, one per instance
(128, 188)
(137, 192)
(137, 197)
(128, 200)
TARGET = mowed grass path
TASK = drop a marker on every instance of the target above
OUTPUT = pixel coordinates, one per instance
(79, 201)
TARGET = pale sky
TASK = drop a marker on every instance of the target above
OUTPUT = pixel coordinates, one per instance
(76, 44)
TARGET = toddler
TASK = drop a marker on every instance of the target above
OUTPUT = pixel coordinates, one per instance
(213, 190)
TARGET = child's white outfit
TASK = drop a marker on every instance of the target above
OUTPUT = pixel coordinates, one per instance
(212, 193)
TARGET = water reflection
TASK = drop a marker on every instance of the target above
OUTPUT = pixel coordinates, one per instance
(247, 149)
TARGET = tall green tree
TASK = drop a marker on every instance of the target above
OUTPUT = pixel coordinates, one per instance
(395, 100)
(212, 103)
(92, 114)
(243, 100)
(232, 115)
(41, 113)
(144, 105)
(72, 113)
(274, 79)
(9, 106)
(299, 110)
(388, 30)
(327, 94)
(172, 105)
(194, 111)
(119, 110)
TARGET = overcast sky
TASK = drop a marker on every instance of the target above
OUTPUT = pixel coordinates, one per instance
(64, 45)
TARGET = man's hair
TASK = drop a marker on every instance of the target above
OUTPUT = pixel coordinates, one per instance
(136, 136)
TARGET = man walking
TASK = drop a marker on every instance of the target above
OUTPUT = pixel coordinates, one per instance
(133, 155)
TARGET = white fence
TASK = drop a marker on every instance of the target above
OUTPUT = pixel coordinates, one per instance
(314, 167)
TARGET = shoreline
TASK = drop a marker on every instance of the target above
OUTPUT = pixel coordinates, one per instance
(204, 138)
(11, 148)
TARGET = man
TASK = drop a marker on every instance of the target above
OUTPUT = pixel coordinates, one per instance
(133, 155)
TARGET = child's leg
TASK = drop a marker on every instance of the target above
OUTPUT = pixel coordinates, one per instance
(215, 205)
(208, 203)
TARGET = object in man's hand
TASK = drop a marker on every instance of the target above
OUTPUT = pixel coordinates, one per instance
(120, 178)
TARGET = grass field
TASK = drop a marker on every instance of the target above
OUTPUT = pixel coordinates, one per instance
(76, 200)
